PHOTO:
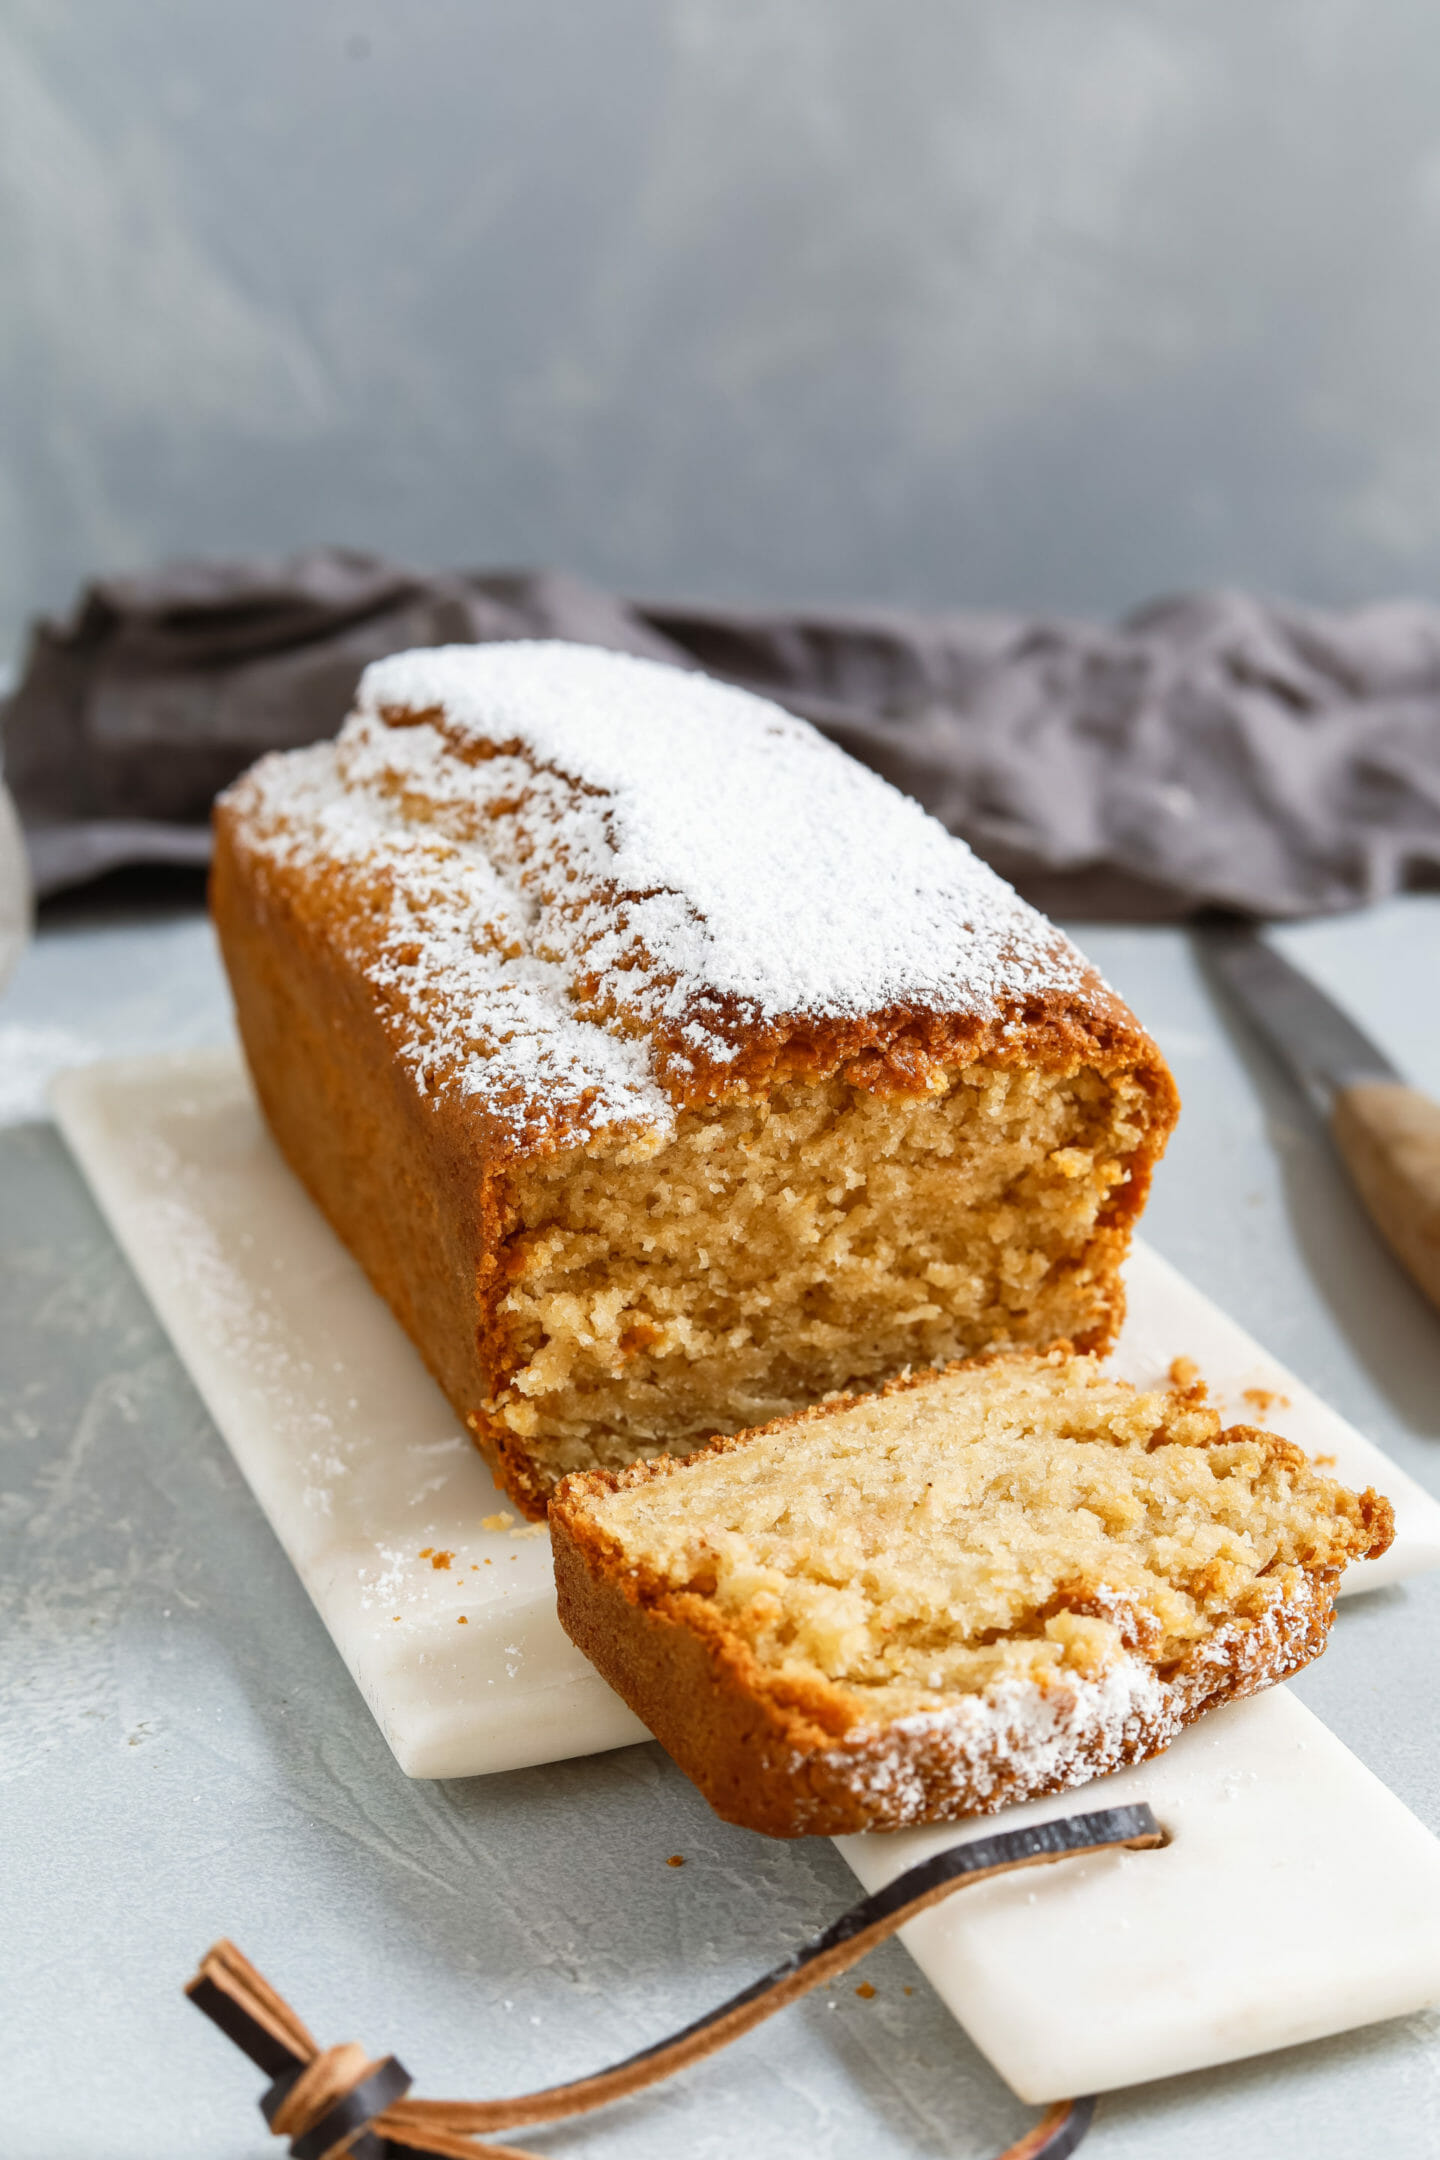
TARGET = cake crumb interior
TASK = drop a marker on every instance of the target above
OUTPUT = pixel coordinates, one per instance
(774, 1250)
(1003, 1522)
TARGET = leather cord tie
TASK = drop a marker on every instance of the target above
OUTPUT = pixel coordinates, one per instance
(339, 2101)
(323, 2099)
(334, 2099)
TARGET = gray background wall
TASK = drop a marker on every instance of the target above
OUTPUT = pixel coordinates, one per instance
(1022, 302)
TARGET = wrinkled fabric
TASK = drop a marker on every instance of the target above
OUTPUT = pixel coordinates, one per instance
(1212, 751)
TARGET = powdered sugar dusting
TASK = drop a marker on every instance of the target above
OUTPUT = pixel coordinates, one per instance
(587, 858)
(1027, 1735)
(1023, 1738)
(758, 859)
(447, 945)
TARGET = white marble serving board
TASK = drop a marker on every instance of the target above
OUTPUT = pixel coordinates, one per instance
(1297, 1898)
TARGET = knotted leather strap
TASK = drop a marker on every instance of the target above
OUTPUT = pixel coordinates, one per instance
(338, 2101)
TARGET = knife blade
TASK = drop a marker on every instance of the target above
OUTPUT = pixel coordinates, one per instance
(1318, 1043)
(1387, 1133)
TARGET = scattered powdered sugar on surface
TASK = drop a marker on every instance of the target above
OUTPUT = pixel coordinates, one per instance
(30, 1057)
(589, 850)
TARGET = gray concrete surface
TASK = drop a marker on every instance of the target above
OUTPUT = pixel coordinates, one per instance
(182, 1754)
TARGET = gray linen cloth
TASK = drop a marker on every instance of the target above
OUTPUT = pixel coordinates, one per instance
(1213, 751)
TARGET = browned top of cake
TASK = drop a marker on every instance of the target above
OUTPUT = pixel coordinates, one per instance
(586, 889)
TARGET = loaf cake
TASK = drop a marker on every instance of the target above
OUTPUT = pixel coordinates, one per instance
(964, 1590)
(666, 1069)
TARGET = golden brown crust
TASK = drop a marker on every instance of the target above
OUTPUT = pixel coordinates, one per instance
(405, 1181)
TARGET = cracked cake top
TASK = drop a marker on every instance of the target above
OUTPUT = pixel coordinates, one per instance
(587, 888)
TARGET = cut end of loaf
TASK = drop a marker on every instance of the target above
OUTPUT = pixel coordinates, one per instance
(960, 1593)
(819, 1239)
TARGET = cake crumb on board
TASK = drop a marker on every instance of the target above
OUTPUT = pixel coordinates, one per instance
(1263, 1400)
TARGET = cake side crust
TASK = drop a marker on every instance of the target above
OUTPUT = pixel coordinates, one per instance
(409, 1185)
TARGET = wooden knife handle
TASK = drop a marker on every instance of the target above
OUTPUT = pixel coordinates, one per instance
(1389, 1136)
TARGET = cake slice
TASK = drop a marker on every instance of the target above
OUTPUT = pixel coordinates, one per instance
(966, 1590)
(666, 1069)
